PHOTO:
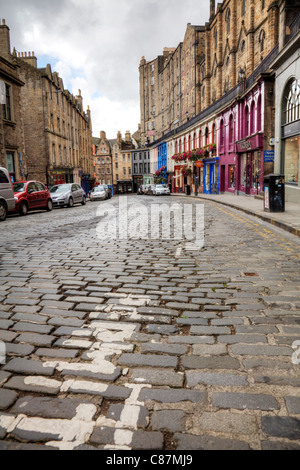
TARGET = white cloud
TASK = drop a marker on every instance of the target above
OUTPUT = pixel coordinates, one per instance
(97, 46)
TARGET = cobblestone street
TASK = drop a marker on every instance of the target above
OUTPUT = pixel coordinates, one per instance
(144, 345)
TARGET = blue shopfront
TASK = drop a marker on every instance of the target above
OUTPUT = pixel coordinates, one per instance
(211, 176)
(162, 155)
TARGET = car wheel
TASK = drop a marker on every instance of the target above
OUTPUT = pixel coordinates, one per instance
(49, 205)
(23, 209)
(71, 202)
(83, 201)
(3, 212)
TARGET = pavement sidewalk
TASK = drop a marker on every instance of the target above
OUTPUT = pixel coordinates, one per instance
(288, 220)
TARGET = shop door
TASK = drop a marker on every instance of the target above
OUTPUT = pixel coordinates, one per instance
(248, 173)
(222, 177)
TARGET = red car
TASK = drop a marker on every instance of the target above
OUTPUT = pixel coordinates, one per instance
(30, 196)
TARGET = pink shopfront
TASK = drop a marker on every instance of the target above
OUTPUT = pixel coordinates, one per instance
(241, 145)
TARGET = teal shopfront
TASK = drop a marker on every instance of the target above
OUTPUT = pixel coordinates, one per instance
(211, 176)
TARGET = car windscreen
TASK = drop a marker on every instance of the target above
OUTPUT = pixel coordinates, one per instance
(99, 189)
(60, 189)
(160, 186)
(19, 187)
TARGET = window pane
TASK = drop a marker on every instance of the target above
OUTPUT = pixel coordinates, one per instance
(291, 159)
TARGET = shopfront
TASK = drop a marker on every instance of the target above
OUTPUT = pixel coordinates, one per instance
(199, 176)
(249, 177)
(61, 177)
(211, 176)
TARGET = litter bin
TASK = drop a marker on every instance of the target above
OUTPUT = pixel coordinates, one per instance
(187, 190)
(274, 193)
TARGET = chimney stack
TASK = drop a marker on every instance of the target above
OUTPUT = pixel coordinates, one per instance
(212, 9)
(103, 135)
(127, 136)
(4, 40)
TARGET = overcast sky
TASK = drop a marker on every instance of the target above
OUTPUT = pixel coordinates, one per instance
(97, 45)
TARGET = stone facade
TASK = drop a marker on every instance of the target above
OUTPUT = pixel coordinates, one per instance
(185, 80)
(12, 145)
(103, 161)
(122, 163)
(57, 131)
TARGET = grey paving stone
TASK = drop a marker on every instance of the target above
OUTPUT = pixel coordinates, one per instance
(197, 362)
(29, 318)
(13, 445)
(73, 343)
(242, 339)
(58, 353)
(209, 350)
(115, 412)
(210, 378)
(4, 376)
(55, 304)
(162, 329)
(78, 332)
(171, 349)
(281, 426)
(19, 349)
(34, 385)
(144, 338)
(147, 360)
(54, 313)
(258, 350)
(5, 324)
(243, 401)
(277, 380)
(36, 339)
(168, 420)
(158, 311)
(33, 328)
(7, 336)
(172, 396)
(273, 364)
(160, 377)
(192, 321)
(181, 339)
(293, 405)
(47, 407)
(190, 442)
(28, 367)
(210, 330)
(7, 398)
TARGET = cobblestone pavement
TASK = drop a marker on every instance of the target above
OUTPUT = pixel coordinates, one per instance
(130, 344)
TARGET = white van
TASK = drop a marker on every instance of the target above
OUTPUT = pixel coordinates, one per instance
(7, 200)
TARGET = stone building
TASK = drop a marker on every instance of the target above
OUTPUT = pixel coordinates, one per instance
(211, 60)
(58, 132)
(122, 163)
(140, 168)
(12, 145)
(103, 161)
(48, 133)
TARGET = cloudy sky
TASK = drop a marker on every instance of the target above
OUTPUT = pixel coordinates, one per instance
(96, 46)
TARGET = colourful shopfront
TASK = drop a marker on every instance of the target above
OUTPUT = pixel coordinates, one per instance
(250, 156)
(211, 176)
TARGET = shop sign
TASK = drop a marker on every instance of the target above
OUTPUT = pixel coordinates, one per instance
(269, 156)
(252, 143)
(200, 164)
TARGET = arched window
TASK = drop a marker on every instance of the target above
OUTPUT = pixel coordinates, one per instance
(194, 140)
(189, 144)
(231, 129)
(262, 37)
(176, 147)
(291, 107)
(227, 19)
(200, 138)
(246, 122)
(252, 118)
(184, 144)
(222, 135)
(206, 135)
(180, 146)
(213, 134)
(258, 114)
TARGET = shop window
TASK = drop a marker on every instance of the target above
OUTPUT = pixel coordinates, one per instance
(256, 170)
(232, 176)
(291, 159)
(252, 118)
(243, 170)
(258, 114)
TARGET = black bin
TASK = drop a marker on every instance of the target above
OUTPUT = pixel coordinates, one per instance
(187, 190)
(274, 193)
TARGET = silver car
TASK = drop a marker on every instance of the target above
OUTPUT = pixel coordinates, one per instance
(7, 200)
(67, 195)
(161, 190)
(99, 193)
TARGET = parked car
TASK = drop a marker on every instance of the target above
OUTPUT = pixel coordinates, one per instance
(7, 200)
(99, 193)
(67, 195)
(108, 189)
(161, 190)
(149, 191)
(31, 195)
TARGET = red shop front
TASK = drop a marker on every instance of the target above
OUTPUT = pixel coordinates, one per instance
(250, 164)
